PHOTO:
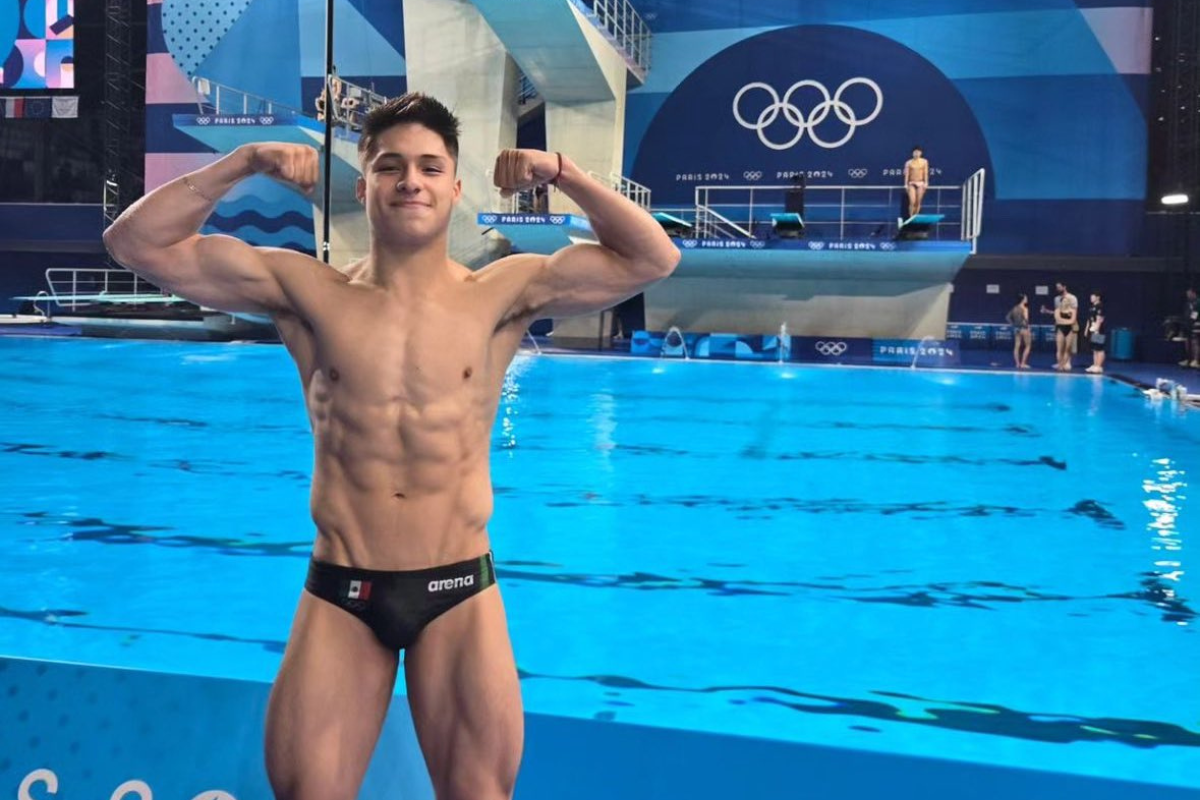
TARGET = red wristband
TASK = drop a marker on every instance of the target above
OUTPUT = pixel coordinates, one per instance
(554, 180)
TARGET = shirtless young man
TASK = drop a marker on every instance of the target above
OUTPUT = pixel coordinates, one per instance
(1066, 326)
(401, 358)
(916, 180)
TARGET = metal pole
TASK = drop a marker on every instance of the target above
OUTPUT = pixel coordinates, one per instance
(327, 194)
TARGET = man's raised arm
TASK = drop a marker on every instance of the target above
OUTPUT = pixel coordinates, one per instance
(158, 236)
(633, 251)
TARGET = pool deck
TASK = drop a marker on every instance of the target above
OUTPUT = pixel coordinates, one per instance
(92, 728)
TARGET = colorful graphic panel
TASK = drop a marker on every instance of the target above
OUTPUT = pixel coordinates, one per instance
(37, 44)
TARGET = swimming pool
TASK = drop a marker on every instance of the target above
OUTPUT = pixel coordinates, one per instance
(974, 566)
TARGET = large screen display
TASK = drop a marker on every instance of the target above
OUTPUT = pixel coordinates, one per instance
(37, 44)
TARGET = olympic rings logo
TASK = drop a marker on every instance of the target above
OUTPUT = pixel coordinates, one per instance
(857, 172)
(792, 113)
(752, 175)
(831, 348)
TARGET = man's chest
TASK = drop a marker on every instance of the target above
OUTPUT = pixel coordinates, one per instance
(417, 353)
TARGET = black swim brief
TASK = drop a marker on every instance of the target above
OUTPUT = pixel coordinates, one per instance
(1065, 330)
(397, 606)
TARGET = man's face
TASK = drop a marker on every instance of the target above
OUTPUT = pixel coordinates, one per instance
(408, 185)
(916, 152)
(1191, 295)
(1060, 289)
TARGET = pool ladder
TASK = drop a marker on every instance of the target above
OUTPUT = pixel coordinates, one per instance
(674, 344)
(43, 295)
(536, 347)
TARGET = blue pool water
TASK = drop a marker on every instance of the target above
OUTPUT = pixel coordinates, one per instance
(978, 567)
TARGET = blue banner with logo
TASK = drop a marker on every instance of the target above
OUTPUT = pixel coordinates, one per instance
(827, 245)
(258, 120)
(831, 349)
(496, 218)
(923, 353)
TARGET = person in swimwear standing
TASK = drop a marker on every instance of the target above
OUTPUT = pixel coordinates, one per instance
(916, 180)
(401, 358)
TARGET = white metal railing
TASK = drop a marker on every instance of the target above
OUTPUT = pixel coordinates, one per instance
(537, 201)
(635, 191)
(625, 27)
(214, 98)
(351, 103)
(72, 287)
(840, 212)
(972, 208)
(710, 224)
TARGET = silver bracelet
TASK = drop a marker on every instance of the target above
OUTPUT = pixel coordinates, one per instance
(188, 182)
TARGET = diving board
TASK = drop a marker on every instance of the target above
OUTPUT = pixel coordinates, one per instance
(788, 225)
(917, 226)
(673, 225)
(101, 297)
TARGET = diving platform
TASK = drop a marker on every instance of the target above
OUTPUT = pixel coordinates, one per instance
(865, 287)
(862, 259)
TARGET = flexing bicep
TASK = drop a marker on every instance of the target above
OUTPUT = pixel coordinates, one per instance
(218, 272)
(583, 279)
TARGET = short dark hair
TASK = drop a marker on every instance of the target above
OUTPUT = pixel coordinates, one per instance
(1096, 293)
(918, 147)
(413, 108)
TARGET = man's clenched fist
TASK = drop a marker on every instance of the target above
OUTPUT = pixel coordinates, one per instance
(518, 170)
(293, 165)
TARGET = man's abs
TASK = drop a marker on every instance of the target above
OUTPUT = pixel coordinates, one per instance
(390, 517)
(399, 484)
